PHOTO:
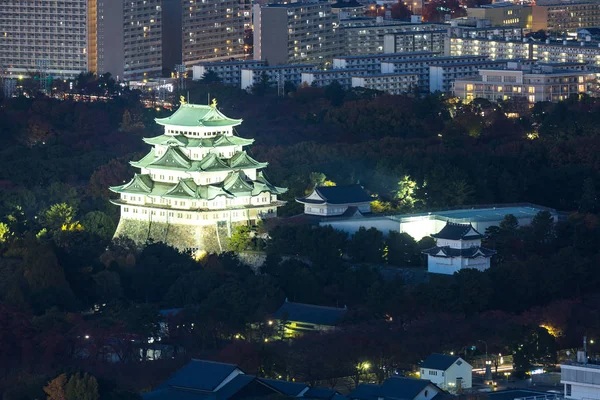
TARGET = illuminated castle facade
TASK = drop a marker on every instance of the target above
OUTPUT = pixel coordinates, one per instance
(196, 182)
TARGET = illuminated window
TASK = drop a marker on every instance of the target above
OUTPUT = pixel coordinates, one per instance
(499, 88)
(532, 99)
(469, 87)
(581, 88)
(531, 89)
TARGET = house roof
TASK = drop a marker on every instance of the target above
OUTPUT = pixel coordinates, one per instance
(287, 388)
(320, 393)
(234, 386)
(454, 231)
(347, 194)
(439, 361)
(312, 314)
(200, 375)
(197, 115)
(450, 252)
(392, 388)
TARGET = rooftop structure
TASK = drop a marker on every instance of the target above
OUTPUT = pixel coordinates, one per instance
(195, 183)
(503, 14)
(458, 246)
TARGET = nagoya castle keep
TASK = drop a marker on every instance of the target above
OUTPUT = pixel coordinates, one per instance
(196, 182)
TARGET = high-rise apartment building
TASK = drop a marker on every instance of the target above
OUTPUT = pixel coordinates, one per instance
(296, 33)
(135, 38)
(214, 29)
(44, 35)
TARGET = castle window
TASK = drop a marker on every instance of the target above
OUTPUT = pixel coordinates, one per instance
(126, 209)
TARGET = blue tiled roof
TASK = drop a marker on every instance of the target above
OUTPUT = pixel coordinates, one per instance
(311, 314)
(200, 375)
(235, 385)
(439, 361)
(392, 388)
(320, 393)
(286, 387)
(177, 394)
(453, 231)
(339, 195)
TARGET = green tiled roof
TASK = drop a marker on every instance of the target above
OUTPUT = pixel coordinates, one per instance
(235, 184)
(194, 115)
(181, 140)
(243, 160)
(139, 184)
(173, 158)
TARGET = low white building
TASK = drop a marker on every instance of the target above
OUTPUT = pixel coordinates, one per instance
(389, 83)
(458, 246)
(280, 73)
(581, 378)
(349, 200)
(447, 372)
(230, 72)
(342, 76)
(372, 62)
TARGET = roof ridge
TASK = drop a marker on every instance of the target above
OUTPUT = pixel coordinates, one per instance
(317, 305)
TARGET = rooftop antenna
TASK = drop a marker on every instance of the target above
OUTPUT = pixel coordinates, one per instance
(208, 99)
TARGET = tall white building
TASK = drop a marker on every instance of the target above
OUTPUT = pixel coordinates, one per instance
(296, 33)
(196, 182)
(44, 35)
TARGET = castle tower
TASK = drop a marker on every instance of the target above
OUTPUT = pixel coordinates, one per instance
(458, 246)
(196, 182)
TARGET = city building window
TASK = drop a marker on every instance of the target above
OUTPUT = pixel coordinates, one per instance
(568, 389)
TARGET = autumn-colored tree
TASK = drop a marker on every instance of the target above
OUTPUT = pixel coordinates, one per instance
(82, 387)
(56, 388)
(115, 172)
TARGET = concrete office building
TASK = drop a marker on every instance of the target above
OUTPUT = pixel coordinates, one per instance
(296, 33)
(44, 35)
(135, 39)
(389, 83)
(214, 30)
(537, 83)
(230, 72)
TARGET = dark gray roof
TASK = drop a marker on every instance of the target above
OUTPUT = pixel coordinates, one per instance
(286, 387)
(200, 375)
(439, 361)
(512, 394)
(178, 394)
(471, 252)
(454, 231)
(311, 314)
(338, 195)
(392, 388)
(234, 385)
(320, 393)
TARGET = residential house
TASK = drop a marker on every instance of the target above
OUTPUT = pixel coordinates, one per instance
(448, 372)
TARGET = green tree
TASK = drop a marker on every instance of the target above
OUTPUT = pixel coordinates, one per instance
(240, 239)
(59, 215)
(99, 223)
(589, 197)
(261, 87)
(335, 93)
(403, 250)
(4, 232)
(209, 77)
(366, 245)
(82, 387)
